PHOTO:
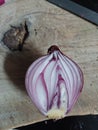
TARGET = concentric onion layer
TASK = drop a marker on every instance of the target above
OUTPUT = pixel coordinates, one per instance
(54, 81)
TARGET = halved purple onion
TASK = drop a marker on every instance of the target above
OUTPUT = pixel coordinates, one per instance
(54, 83)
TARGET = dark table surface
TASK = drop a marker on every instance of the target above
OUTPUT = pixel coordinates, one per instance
(88, 122)
(90, 4)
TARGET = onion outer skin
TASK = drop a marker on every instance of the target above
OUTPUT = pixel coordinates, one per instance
(54, 83)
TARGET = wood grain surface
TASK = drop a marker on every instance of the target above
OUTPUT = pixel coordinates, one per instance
(47, 25)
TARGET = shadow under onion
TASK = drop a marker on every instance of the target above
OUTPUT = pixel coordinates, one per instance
(16, 65)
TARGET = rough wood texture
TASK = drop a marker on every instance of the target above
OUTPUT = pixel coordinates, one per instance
(47, 25)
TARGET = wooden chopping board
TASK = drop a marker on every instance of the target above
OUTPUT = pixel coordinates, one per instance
(47, 25)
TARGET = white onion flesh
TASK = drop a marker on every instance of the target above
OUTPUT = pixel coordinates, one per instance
(54, 83)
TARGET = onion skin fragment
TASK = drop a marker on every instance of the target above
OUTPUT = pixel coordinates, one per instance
(54, 83)
(2, 2)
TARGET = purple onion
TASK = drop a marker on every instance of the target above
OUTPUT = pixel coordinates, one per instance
(54, 83)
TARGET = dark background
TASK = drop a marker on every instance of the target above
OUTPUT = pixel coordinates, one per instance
(88, 122)
(90, 4)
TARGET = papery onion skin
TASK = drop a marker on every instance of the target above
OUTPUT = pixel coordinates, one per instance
(54, 83)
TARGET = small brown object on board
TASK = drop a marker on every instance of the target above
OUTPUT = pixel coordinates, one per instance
(14, 38)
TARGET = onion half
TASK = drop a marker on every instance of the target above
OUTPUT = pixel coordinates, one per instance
(54, 83)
